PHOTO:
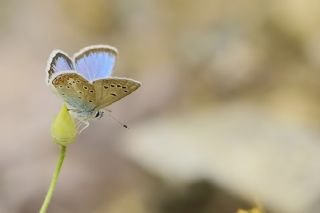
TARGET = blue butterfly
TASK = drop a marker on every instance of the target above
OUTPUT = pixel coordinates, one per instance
(85, 83)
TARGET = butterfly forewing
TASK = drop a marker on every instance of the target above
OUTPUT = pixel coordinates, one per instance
(111, 90)
(76, 91)
(95, 62)
(59, 62)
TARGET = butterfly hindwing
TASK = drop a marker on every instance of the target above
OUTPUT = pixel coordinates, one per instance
(58, 62)
(76, 91)
(95, 62)
(111, 90)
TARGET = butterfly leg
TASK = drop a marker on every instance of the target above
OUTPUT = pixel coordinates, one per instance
(80, 127)
(86, 123)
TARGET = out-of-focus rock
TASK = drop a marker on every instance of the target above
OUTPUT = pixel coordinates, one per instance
(132, 201)
(241, 148)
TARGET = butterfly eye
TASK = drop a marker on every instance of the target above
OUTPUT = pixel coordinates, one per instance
(99, 114)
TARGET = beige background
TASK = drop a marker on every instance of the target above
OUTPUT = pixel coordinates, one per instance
(228, 112)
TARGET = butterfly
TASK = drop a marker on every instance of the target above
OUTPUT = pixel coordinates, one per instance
(84, 81)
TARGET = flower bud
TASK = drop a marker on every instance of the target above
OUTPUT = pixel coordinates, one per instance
(63, 129)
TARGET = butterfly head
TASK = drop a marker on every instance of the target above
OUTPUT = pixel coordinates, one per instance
(99, 114)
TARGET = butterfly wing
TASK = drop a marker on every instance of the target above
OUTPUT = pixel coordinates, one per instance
(95, 62)
(58, 62)
(76, 91)
(111, 90)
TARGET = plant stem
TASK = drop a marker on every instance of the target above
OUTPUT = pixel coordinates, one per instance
(54, 180)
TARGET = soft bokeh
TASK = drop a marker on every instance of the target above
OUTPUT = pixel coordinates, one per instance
(228, 113)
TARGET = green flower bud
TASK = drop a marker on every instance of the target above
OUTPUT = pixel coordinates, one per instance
(63, 129)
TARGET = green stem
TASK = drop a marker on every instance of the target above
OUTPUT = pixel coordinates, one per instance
(54, 180)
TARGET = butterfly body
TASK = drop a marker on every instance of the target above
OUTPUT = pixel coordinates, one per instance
(84, 83)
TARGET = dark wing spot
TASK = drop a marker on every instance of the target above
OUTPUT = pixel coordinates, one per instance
(90, 101)
(106, 87)
(68, 87)
(60, 86)
(118, 85)
(112, 85)
(91, 91)
(85, 87)
(78, 81)
(80, 92)
(74, 82)
(124, 87)
(113, 94)
(125, 91)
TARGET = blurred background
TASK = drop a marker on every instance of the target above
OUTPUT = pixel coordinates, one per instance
(228, 113)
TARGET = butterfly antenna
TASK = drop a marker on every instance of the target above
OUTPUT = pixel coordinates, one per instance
(116, 120)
